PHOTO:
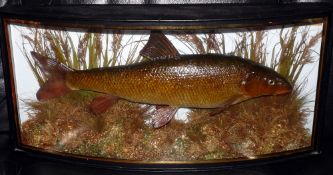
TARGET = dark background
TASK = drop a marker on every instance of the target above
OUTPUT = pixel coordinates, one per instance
(313, 165)
(61, 2)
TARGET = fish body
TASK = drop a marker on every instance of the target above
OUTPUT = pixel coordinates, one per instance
(167, 79)
(200, 81)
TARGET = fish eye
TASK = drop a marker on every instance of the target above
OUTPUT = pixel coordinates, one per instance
(271, 82)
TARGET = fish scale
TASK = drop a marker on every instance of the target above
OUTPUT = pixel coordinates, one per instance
(191, 81)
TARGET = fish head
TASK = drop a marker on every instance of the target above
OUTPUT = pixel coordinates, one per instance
(265, 81)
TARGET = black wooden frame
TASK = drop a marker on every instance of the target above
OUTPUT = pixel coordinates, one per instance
(170, 17)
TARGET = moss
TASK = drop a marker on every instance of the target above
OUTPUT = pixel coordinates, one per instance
(258, 126)
(214, 155)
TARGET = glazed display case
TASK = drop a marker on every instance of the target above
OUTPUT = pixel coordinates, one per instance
(199, 87)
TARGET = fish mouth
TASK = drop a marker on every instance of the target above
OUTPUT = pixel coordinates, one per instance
(284, 90)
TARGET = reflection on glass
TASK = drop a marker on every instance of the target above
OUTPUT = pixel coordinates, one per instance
(194, 110)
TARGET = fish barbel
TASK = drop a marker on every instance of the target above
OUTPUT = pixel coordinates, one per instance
(168, 78)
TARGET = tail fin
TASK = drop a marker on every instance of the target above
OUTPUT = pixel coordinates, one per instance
(55, 72)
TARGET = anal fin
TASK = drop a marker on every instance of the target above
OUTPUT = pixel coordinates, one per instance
(102, 103)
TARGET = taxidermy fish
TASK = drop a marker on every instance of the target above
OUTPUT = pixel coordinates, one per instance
(168, 79)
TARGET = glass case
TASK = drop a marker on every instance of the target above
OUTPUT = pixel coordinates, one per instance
(167, 95)
(177, 90)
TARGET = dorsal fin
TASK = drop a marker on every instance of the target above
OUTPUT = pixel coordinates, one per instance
(159, 47)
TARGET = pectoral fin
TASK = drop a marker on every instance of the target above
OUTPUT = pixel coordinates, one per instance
(159, 47)
(101, 103)
(162, 115)
(231, 101)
